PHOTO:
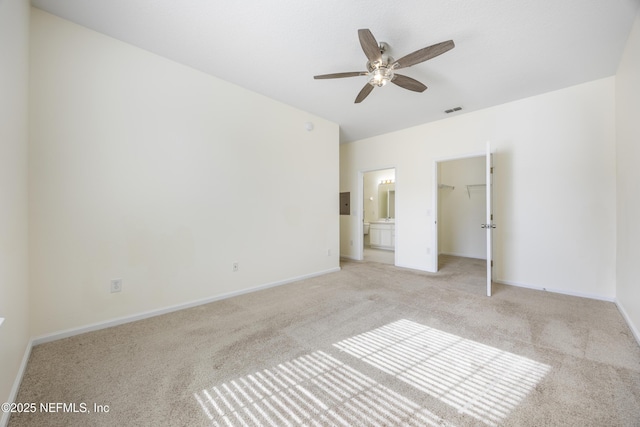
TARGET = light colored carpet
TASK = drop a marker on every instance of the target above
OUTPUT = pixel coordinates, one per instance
(370, 345)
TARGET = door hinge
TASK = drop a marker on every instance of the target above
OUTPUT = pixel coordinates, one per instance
(491, 263)
(491, 217)
(491, 169)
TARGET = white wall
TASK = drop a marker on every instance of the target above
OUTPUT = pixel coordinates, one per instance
(554, 186)
(628, 183)
(460, 212)
(149, 171)
(14, 71)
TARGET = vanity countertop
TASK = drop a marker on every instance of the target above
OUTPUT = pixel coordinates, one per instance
(384, 221)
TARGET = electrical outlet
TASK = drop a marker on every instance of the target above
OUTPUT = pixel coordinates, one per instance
(235, 266)
(116, 285)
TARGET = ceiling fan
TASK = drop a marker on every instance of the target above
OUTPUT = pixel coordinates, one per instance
(381, 67)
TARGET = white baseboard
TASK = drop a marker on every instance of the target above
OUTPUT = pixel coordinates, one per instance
(627, 319)
(4, 419)
(152, 313)
(556, 291)
(474, 256)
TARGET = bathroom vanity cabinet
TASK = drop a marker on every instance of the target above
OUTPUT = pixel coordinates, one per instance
(382, 235)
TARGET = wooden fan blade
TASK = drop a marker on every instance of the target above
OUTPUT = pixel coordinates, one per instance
(369, 45)
(408, 83)
(366, 90)
(423, 54)
(341, 75)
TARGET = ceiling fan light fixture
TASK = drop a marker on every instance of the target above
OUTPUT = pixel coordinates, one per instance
(380, 76)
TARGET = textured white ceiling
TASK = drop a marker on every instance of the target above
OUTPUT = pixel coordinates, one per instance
(505, 49)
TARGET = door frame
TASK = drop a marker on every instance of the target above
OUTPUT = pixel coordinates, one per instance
(489, 224)
(360, 215)
(436, 183)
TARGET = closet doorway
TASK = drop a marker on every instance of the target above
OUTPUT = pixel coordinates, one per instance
(463, 214)
(461, 208)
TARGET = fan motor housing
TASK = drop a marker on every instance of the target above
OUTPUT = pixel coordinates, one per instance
(381, 73)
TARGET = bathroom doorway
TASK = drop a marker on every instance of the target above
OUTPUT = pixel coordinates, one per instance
(379, 215)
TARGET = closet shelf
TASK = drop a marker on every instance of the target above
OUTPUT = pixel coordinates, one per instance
(446, 186)
(470, 186)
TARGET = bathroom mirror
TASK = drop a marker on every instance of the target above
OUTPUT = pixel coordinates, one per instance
(387, 200)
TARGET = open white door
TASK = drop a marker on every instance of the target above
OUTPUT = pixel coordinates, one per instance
(489, 225)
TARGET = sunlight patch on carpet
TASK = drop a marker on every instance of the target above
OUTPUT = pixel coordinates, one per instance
(476, 379)
(315, 389)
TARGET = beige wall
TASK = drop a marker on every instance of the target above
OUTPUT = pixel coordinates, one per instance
(555, 186)
(149, 171)
(628, 179)
(14, 71)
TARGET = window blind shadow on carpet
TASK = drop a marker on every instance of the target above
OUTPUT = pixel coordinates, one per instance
(481, 381)
(315, 389)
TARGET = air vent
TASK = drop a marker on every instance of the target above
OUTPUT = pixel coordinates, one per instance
(452, 110)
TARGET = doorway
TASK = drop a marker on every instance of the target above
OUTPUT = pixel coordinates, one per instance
(460, 198)
(463, 225)
(461, 208)
(379, 215)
